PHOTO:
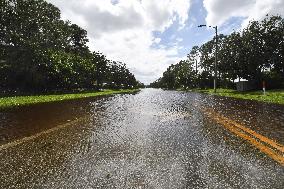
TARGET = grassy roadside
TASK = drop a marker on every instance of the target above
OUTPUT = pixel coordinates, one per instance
(271, 96)
(8, 102)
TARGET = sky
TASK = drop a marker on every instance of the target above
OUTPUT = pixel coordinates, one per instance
(150, 35)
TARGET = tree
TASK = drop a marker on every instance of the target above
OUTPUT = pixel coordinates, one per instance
(41, 52)
(79, 40)
(255, 53)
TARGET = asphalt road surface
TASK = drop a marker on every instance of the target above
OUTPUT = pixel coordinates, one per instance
(152, 139)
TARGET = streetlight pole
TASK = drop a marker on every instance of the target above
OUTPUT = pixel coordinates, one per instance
(216, 59)
(196, 67)
(216, 54)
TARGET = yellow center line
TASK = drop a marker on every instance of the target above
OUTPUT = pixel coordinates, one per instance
(29, 138)
(272, 143)
(250, 136)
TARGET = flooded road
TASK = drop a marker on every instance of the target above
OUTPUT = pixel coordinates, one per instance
(152, 139)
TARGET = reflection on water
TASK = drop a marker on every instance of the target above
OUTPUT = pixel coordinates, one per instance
(25, 121)
(154, 139)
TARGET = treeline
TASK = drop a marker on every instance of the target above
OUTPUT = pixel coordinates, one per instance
(39, 52)
(256, 53)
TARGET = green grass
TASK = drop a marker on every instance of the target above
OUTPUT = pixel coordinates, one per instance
(271, 96)
(8, 102)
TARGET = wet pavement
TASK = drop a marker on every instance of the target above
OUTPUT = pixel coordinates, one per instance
(153, 139)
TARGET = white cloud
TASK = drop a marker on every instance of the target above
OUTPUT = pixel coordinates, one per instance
(123, 30)
(157, 40)
(220, 11)
(179, 39)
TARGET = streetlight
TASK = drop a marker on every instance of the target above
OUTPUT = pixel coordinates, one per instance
(215, 65)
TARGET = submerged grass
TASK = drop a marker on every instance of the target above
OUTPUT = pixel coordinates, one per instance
(271, 96)
(8, 102)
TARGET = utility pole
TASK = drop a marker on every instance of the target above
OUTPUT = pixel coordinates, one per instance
(216, 59)
(196, 67)
(216, 54)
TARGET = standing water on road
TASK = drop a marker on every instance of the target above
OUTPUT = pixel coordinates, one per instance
(152, 139)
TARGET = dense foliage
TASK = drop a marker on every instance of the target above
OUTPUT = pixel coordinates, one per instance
(40, 52)
(255, 53)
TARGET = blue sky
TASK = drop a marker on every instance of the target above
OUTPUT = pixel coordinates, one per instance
(191, 35)
(149, 35)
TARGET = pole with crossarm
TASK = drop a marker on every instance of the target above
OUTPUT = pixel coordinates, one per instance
(216, 54)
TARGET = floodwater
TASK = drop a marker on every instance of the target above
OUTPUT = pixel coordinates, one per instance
(152, 139)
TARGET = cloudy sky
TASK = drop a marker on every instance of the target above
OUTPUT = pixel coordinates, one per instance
(149, 35)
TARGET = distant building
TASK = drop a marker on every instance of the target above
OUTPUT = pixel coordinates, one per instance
(245, 85)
